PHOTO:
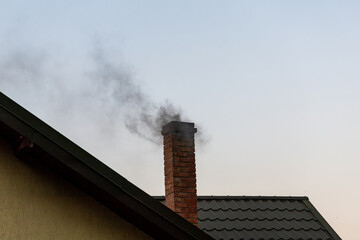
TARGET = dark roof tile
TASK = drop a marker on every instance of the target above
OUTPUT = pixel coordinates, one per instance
(260, 224)
(270, 235)
(258, 214)
(261, 218)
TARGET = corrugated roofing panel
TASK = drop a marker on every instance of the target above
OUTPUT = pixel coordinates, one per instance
(270, 235)
(260, 224)
(258, 214)
(257, 218)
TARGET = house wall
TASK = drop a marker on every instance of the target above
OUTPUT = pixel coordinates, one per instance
(37, 204)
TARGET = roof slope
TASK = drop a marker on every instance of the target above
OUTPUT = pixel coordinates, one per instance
(36, 141)
(262, 218)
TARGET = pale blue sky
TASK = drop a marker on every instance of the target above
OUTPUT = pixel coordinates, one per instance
(274, 85)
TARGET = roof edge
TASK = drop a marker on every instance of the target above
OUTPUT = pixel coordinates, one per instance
(322, 220)
(21, 121)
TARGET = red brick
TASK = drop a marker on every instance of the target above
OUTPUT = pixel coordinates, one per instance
(185, 175)
(187, 205)
(184, 180)
(188, 215)
(180, 200)
(183, 164)
(185, 195)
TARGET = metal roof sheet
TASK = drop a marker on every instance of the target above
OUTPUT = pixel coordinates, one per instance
(261, 218)
(257, 218)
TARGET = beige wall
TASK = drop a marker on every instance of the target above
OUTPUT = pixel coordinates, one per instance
(36, 204)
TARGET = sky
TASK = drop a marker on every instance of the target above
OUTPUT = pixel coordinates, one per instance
(273, 87)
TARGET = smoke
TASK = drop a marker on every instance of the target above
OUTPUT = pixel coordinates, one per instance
(117, 88)
(106, 87)
(21, 66)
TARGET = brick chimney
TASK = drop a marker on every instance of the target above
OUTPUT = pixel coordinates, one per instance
(180, 174)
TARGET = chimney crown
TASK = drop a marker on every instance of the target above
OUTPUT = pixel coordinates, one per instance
(179, 127)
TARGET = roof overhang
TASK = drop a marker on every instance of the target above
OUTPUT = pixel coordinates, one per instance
(64, 157)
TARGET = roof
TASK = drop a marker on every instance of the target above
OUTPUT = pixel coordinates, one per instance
(261, 218)
(59, 154)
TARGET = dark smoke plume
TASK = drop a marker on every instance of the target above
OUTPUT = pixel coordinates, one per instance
(142, 116)
(108, 88)
(16, 65)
